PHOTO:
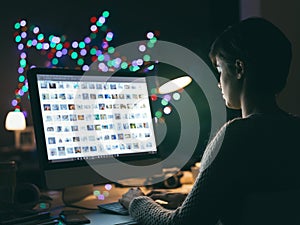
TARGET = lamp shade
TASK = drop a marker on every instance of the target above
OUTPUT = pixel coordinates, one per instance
(15, 121)
(175, 85)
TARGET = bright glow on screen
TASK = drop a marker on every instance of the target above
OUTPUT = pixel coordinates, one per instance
(92, 117)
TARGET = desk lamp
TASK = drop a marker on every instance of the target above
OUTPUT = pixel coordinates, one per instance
(174, 85)
(15, 121)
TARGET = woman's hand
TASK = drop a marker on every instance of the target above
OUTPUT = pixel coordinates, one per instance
(169, 200)
(130, 195)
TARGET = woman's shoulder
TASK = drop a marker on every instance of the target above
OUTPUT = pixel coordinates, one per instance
(255, 121)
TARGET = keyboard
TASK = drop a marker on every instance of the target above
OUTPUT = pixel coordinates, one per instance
(114, 207)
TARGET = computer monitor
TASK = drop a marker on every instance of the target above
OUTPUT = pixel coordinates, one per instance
(84, 120)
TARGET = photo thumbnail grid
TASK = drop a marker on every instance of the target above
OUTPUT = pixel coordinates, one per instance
(96, 119)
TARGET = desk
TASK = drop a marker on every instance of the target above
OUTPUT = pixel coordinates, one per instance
(114, 194)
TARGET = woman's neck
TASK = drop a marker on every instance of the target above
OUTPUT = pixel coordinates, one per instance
(258, 103)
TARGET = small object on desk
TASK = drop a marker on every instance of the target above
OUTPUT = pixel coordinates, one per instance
(68, 212)
(70, 219)
(114, 207)
(50, 222)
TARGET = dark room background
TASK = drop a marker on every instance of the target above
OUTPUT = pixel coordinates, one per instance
(191, 23)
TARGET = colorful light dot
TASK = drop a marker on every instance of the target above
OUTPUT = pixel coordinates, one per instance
(167, 97)
(17, 26)
(150, 67)
(164, 102)
(150, 44)
(43, 205)
(36, 30)
(105, 14)
(74, 55)
(52, 45)
(97, 192)
(87, 40)
(54, 61)
(23, 63)
(93, 19)
(55, 39)
(93, 35)
(40, 37)
(158, 114)
(102, 19)
(83, 52)
(21, 78)
(176, 96)
(94, 28)
(58, 54)
(93, 51)
(101, 197)
(21, 92)
(23, 55)
(153, 97)
(106, 57)
(20, 70)
(23, 23)
(167, 110)
(80, 62)
(139, 62)
(81, 44)
(109, 36)
(59, 46)
(18, 38)
(124, 65)
(153, 91)
(64, 51)
(105, 193)
(25, 88)
(104, 45)
(34, 42)
(146, 58)
(39, 46)
(46, 46)
(150, 35)
(153, 40)
(75, 44)
(20, 46)
(100, 58)
(142, 48)
(111, 50)
(23, 34)
(85, 68)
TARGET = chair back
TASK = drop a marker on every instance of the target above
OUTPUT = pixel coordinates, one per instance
(272, 208)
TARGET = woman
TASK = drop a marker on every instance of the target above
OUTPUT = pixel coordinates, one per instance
(256, 153)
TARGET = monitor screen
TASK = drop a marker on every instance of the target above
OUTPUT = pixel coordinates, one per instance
(82, 117)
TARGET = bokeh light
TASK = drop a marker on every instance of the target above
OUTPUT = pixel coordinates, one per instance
(95, 46)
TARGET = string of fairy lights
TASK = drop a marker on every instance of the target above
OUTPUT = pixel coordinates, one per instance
(58, 51)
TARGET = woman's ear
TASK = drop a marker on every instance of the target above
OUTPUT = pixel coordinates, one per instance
(240, 68)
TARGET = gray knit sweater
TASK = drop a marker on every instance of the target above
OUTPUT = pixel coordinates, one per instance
(254, 154)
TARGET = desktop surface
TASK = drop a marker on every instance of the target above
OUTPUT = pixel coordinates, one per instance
(51, 206)
(99, 217)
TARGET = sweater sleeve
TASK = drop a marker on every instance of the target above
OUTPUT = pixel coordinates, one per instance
(203, 203)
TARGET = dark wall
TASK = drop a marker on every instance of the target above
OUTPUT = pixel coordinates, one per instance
(191, 23)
